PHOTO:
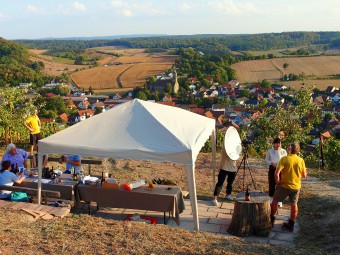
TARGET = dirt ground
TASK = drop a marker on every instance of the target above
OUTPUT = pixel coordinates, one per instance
(82, 234)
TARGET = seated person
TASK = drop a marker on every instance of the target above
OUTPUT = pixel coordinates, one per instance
(8, 178)
(15, 156)
(35, 159)
(72, 161)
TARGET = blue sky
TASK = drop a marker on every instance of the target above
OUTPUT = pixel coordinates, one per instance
(32, 19)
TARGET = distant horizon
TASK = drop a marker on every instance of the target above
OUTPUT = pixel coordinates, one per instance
(36, 19)
(104, 37)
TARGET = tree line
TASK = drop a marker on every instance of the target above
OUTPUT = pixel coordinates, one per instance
(212, 44)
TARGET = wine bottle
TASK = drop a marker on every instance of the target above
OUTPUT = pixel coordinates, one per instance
(103, 179)
(16, 170)
(75, 178)
(247, 195)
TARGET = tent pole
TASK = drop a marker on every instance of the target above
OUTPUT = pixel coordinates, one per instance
(40, 161)
(190, 173)
(213, 149)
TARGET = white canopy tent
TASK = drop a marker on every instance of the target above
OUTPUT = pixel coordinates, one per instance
(138, 130)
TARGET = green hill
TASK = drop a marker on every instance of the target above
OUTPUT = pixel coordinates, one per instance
(15, 66)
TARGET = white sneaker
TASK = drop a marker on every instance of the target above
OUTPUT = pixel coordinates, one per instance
(214, 202)
(279, 204)
(229, 198)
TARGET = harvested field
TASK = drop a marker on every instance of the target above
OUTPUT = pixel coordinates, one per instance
(131, 59)
(320, 84)
(272, 69)
(103, 77)
(53, 67)
(137, 74)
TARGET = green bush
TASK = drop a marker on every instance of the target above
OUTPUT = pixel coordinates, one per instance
(332, 154)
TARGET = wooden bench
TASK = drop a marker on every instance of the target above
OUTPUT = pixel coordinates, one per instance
(33, 192)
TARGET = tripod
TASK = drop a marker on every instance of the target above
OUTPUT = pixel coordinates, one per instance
(245, 164)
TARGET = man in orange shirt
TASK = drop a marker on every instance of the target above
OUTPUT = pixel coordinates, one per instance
(33, 124)
(292, 169)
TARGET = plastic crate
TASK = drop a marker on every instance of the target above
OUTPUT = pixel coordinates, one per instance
(153, 221)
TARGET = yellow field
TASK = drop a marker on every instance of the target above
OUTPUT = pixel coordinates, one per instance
(102, 77)
(136, 75)
(272, 69)
(320, 84)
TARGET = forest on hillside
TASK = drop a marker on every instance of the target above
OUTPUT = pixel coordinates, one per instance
(211, 44)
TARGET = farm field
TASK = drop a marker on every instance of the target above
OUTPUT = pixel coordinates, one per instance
(129, 70)
(119, 68)
(137, 74)
(320, 84)
(102, 77)
(272, 69)
(54, 66)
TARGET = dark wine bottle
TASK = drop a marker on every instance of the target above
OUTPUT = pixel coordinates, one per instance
(247, 195)
(75, 178)
(103, 179)
(16, 170)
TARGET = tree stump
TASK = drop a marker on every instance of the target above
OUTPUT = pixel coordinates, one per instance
(251, 217)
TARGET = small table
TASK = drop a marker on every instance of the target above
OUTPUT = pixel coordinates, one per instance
(65, 187)
(162, 198)
(251, 217)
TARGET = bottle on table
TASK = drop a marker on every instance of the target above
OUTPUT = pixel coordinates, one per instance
(75, 177)
(103, 179)
(247, 195)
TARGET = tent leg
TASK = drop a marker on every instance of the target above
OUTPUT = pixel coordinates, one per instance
(190, 173)
(213, 148)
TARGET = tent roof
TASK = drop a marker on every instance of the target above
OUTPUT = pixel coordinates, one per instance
(138, 130)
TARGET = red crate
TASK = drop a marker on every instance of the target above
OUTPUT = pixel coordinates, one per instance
(152, 220)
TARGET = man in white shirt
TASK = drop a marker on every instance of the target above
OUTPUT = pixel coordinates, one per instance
(272, 158)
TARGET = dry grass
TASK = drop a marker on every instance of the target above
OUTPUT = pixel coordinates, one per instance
(83, 234)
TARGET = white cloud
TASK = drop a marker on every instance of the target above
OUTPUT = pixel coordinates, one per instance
(79, 6)
(33, 9)
(185, 7)
(117, 3)
(130, 9)
(237, 8)
(126, 12)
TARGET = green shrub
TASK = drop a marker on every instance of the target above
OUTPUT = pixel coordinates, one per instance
(331, 153)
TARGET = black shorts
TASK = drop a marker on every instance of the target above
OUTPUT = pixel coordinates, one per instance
(34, 138)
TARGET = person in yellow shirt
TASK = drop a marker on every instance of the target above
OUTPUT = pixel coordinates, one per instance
(292, 169)
(33, 124)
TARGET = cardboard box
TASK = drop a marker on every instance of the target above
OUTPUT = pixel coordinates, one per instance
(106, 185)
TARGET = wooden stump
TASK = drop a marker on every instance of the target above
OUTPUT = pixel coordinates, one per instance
(251, 217)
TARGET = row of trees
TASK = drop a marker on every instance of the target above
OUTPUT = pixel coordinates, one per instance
(211, 44)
